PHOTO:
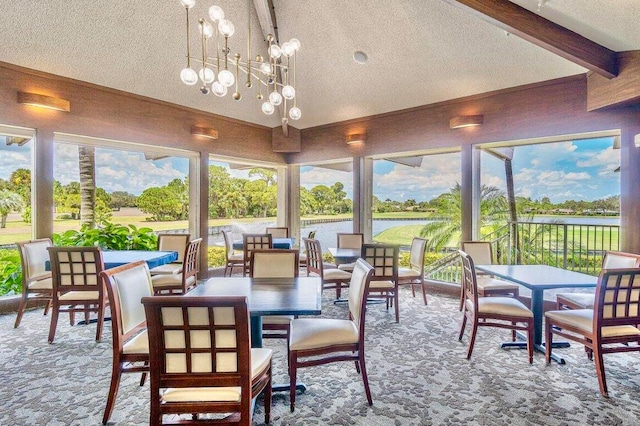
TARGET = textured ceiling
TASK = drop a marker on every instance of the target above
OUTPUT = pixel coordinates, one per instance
(420, 51)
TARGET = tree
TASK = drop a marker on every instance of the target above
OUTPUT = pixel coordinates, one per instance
(269, 176)
(162, 203)
(87, 165)
(120, 199)
(493, 207)
(9, 202)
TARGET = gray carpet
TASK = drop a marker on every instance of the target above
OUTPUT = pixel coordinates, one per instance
(417, 371)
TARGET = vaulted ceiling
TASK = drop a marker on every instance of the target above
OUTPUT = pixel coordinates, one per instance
(420, 51)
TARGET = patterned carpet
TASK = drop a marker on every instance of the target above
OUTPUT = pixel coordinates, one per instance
(417, 371)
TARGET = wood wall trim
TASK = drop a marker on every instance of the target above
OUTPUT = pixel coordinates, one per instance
(544, 33)
(624, 90)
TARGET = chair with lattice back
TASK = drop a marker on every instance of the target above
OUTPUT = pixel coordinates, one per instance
(254, 242)
(201, 359)
(185, 280)
(234, 260)
(384, 283)
(172, 242)
(36, 280)
(278, 231)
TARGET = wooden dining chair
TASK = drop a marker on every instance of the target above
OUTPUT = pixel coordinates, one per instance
(303, 255)
(172, 242)
(414, 274)
(181, 282)
(384, 284)
(332, 278)
(234, 260)
(254, 242)
(275, 264)
(126, 285)
(349, 241)
(482, 254)
(36, 280)
(611, 260)
(611, 326)
(497, 311)
(318, 341)
(201, 359)
(76, 285)
(278, 231)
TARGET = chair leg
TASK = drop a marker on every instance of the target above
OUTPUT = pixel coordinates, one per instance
(47, 307)
(548, 340)
(424, 292)
(87, 314)
(472, 341)
(293, 371)
(365, 379)
(338, 290)
(113, 391)
(21, 308)
(397, 303)
(529, 340)
(461, 297)
(54, 322)
(268, 393)
(602, 380)
(513, 332)
(72, 317)
(463, 325)
(100, 323)
(413, 290)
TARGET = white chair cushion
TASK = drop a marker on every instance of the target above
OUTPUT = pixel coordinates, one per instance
(139, 344)
(337, 274)
(79, 295)
(160, 281)
(408, 273)
(236, 258)
(501, 305)
(378, 285)
(169, 268)
(277, 319)
(347, 266)
(44, 284)
(310, 333)
(582, 319)
(488, 283)
(260, 358)
(584, 300)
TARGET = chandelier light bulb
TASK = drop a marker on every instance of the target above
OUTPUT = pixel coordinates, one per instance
(207, 75)
(275, 98)
(206, 29)
(287, 49)
(274, 51)
(218, 89)
(295, 43)
(295, 113)
(188, 3)
(226, 78)
(268, 108)
(289, 92)
(216, 13)
(265, 67)
(189, 76)
(226, 28)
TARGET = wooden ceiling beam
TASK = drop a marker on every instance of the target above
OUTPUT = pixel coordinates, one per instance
(544, 33)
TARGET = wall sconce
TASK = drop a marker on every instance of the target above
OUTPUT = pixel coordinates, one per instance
(205, 132)
(357, 138)
(44, 101)
(466, 121)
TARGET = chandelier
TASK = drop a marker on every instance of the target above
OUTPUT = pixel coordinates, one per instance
(219, 72)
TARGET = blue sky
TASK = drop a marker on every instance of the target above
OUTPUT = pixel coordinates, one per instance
(580, 170)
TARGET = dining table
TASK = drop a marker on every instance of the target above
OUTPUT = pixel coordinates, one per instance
(344, 255)
(268, 296)
(278, 243)
(115, 258)
(539, 278)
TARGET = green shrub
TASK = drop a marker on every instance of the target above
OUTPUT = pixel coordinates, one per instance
(216, 256)
(110, 237)
(10, 272)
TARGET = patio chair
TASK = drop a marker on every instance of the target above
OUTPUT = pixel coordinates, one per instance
(482, 254)
(384, 283)
(254, 242)
(233, 260)
(611, 326)
(185, 280)
(36, 281)
(303, 255)
(76, 285)
(126, 286)
(318, 341)
(414, 274)
(501, 312)
(275, 264)
(171, 242)
(278, 231)
(332, 277)
(201, 360)
(611, 260)
(350, 241)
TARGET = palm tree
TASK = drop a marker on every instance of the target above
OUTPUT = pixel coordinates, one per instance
(9, 201)
(87, 163)
(493, 209)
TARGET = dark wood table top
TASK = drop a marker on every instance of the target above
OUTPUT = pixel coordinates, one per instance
(278, 243)
(269, 296)
(345, 254)
(540, 276)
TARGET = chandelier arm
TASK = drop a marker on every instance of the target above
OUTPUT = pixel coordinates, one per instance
(248, 84)
(188, 41)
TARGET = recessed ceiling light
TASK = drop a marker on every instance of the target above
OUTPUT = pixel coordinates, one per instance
(360, 57)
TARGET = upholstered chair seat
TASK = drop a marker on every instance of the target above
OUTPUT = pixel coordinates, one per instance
(501, 305)
(408, 273)
(582, 319)
(577, 300)
(334, 274)
(489, 284)
(171, 242)
(79, 295)
(347, 267)
(44, 284)
(167, 269)
(172, 280)
(139, 344)
(278, 319)
(382, 285)
(308, 333)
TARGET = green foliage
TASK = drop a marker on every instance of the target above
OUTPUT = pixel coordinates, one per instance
(170, 202)
(110, 237)
(121, 199)
(216, 256)
(9, 202)
(10, 272)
